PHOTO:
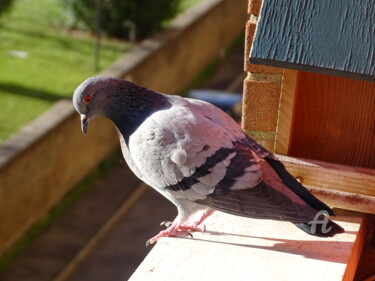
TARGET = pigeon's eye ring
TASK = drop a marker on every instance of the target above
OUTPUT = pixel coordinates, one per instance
(87, 99)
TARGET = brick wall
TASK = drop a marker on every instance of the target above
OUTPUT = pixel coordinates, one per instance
(262, 88)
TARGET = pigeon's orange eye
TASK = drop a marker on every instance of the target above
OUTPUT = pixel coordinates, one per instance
(87, 99)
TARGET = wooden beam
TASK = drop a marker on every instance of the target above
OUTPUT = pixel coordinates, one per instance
(366, 269)
(286, 110)
(340, 186)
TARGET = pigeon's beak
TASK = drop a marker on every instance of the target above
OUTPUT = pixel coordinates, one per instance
(84, 123)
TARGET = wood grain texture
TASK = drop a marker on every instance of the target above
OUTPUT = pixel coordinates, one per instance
(286, 109)
(337, 185)
(355, 255)
(366, 269)
(334, 120)
(331, 37)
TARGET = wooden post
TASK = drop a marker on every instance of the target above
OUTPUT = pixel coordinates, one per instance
(286, 110)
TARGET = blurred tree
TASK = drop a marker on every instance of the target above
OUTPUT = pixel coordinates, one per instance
(5, 5)
(117, 15)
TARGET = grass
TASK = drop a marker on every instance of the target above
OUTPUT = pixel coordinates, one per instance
(56, 61)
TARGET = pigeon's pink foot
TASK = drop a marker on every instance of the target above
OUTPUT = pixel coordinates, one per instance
(204, 216)
(191, 227)
(174, 229)
(195, 226)
(181, 229)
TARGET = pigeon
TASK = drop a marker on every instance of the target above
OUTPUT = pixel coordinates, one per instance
(199, 158)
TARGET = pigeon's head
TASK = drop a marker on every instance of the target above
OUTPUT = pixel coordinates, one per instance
(93, 97)
(123, 102)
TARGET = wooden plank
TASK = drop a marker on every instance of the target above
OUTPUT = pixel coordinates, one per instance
(366, 269)
(338, 185)
(334, 120)
(358, 247)
(235, 248)
(331, 37)
(286, 110)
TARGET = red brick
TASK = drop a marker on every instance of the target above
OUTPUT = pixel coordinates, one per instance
(249, 34)
(260, 105)
(258, 68)
(254, 7)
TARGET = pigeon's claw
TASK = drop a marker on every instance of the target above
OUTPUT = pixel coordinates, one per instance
(166, 223)
(193, 227)
(175, 229)
(181, 229)
(189, 227)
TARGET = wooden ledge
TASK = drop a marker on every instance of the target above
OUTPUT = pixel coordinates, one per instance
(337, 185)
(235, 248)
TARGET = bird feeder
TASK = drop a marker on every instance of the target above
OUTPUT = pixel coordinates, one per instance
(326, 110)
(311, 64)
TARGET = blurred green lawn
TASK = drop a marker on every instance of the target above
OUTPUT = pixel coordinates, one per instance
(56, 61)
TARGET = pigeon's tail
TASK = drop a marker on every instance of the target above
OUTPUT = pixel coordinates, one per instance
(326, 228)
(298, 188)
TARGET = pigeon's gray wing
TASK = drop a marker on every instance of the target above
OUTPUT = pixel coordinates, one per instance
(261, 202)
(173, 146)
(270, 198)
